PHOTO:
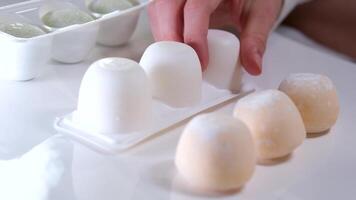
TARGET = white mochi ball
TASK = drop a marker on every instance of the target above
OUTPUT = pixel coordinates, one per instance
(175, 74)
(114, 98)
(316, 99)
(274, 121)
(224, 70)
(215, 153)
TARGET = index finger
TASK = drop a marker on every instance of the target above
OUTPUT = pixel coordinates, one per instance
(166, 18)
(196, 24)
(256, 29)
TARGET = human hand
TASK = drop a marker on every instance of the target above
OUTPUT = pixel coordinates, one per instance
(189, 20)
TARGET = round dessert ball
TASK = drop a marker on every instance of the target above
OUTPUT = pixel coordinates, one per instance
(274, 121)
(224, 70)
(66, 17)
(108, 6)
(215, 153)
(316, 99)
(175, 74)
(114, 98)
(21, 30)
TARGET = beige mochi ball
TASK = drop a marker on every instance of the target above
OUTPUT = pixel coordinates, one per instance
(274, 121)
(316, 99)
(215, 153)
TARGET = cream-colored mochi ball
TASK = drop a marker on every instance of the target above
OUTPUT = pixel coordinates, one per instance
(274, 122)
(215, 153)
(316, 99)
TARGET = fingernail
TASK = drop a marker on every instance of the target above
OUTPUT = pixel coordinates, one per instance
(258, 62)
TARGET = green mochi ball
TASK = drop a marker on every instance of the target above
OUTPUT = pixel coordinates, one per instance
(66, 17)
(21, 30)
(109, 6)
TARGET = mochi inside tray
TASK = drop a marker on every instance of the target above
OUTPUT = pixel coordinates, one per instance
(122, 102)
(25, 54)
(163, 118)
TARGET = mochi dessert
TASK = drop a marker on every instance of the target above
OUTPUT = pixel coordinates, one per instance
(224, 70)
(21, 30)
(66, 17)
(316, 99)
(108, 6)
(114, 98)
(174, 71)
(274, 121)
(215, 153)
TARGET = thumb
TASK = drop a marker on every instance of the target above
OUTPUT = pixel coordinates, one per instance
(259, 22)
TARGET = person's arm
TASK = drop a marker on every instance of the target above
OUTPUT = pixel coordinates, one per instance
(329, 22)
(288, 7)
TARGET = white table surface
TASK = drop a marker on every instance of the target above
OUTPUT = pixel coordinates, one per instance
(322, 168)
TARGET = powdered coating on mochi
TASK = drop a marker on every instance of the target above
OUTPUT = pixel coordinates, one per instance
(117, 64)
(212, 126)
(316, 99)
(260, 99)
(316, 81)
(215, 153)
(274, 122)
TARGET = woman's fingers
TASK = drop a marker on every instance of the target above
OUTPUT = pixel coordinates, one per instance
(259, 22)
(196, 24)
(166, 18)
(184, 21)
(188, 21)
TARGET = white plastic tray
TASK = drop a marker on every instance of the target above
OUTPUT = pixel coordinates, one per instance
(163, 118)
(25, 58)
